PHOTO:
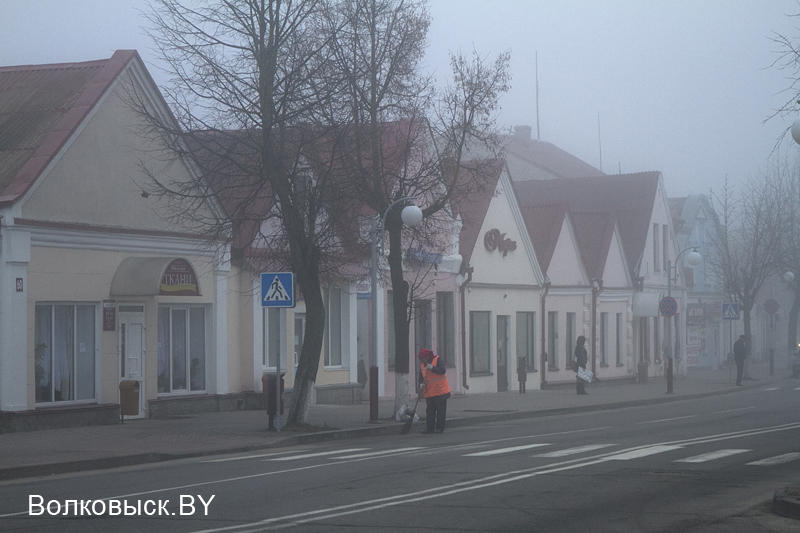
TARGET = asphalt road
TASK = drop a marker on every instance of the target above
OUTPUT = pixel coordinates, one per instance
(708, 465)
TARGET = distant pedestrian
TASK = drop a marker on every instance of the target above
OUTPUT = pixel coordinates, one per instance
(581, 358)
(435, 389)
(739, 355)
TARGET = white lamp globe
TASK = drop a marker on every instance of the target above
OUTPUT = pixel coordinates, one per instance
(788, 276)
(694, 258)
(411, 215)
(796, 131)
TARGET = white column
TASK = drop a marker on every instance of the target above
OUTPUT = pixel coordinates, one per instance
(221, 272)
(15, 254)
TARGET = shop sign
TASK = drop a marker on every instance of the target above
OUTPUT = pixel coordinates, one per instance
(696, 313)
(494, 240)
(179, 279)
(109, 315)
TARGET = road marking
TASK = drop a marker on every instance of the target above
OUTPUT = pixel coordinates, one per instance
(501, 451)
(719, 454)
(798, 388)
(259, 456)
(772, 388)
(644, 452)
(574, 451)
(667, 419)
(319, 454)
(733, 410)
(398, 451)
(777, 460)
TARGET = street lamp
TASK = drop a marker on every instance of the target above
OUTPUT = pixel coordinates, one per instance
(411, 215)
(693, 259)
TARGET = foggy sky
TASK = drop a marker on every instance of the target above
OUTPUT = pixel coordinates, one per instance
(683, 87)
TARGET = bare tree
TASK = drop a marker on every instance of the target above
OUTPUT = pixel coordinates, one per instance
(748, 245)
(406, 138)
(248, 81)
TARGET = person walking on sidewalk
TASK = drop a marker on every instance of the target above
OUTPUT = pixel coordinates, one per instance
(435, 389)
(581, 358)
(739, 355)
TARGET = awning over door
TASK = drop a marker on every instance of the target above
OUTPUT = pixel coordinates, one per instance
(152, 276)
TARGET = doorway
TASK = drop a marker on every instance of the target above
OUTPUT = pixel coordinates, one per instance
(131, 347)
(502, 353)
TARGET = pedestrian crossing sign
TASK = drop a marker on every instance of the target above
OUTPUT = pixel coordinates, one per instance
(277, 289)
(730, 311)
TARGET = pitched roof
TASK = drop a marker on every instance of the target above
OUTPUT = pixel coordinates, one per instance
(629, 197)
(594, 232)
(544, 223)
(41, 107)
(543, 160)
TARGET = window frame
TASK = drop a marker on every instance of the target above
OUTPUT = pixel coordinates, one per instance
(190, 346)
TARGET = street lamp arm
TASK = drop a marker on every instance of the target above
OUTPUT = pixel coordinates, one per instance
(382, 225)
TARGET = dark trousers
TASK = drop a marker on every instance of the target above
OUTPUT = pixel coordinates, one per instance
(435, 413)
(739, 371)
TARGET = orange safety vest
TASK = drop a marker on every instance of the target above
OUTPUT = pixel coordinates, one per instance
(437, 384)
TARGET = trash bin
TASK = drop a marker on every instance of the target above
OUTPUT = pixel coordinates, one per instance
(268, 385)
(128, 398)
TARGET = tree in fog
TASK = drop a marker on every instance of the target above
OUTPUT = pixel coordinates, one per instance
(406, 137)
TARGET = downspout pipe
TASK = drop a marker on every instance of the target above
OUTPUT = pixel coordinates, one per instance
(463, 287)
(546, 286)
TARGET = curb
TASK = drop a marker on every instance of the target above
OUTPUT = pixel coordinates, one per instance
(381, 429)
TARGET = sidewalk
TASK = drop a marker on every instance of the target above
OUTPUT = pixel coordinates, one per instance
(146, 441)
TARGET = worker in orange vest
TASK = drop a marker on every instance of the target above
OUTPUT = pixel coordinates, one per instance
(435, 389)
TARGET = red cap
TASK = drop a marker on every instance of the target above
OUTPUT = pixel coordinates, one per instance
(426, 354)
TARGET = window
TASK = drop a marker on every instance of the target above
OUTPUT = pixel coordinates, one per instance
(333, 329)
(657, 338)
(644, 339)
(604, 339)
(552, 339)
(656, 263)
(619, 339)
(423, 337)
(272, 338)
(526, 338)
(571, 338)
(181, 349)
(445, 327)
(479, 328)
(665, 246)
(64, 352)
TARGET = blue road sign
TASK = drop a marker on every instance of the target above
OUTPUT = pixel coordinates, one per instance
(730, 311)
(668, 306)
(277, 289)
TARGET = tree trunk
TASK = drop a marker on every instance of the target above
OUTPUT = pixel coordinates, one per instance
(793, 314)
(307, 365)
(400, 307)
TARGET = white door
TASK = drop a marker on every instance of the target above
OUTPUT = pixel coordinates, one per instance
(132, 351)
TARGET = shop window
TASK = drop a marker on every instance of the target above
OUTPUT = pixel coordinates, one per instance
(619, 338)
(526, 338)
(571, 340)
(181, 349)
(64, 352)
(337, 310)
(480, 334)
(604, 339)
(552, 339)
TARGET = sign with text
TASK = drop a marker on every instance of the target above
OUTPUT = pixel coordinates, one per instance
(109, 315)
(179, 279)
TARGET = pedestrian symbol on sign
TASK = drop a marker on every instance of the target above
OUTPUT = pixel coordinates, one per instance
(277, 289)
(730, 311)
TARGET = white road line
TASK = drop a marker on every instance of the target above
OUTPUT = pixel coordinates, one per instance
(777, 460)
(798, 388)
(319, 454)
(501, 451)
(374, 454)
(710, 456)
(643, 452)
(733, 410)
(667, 419)
(259, 456)
(772, 388)
(574, 451)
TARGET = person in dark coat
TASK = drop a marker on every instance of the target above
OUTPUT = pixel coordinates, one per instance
(581, 358)
(739, 355)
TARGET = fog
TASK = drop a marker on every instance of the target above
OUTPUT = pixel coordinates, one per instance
(683, 87)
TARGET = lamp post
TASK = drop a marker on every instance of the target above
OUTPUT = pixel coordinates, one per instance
(693, 259)
(411, 216)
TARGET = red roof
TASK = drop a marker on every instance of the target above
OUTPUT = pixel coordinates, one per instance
(41, 107)
(544, 223)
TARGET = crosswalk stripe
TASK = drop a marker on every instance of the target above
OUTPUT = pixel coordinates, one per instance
(500, 451)
(798, 388)
(772, 388)
(373, 454)
(320, 454)
(719, 454)
(777, 460)
(644, 452)
(574, 451)
(258, 456)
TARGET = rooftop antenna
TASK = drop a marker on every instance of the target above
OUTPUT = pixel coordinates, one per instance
(538, 138)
